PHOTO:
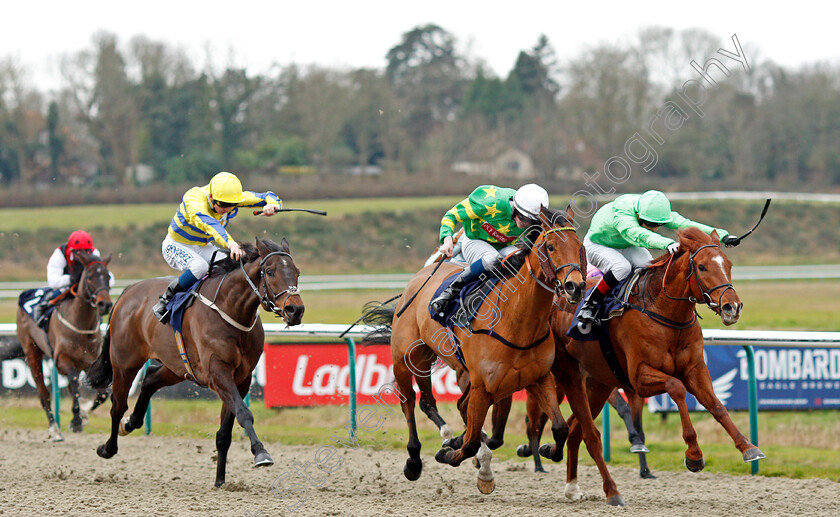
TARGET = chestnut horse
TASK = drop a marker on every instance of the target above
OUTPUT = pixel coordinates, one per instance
(659, 345)
(515, 352)
(223, 340)
(73, 339)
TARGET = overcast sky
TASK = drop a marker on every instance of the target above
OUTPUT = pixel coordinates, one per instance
(359, 34)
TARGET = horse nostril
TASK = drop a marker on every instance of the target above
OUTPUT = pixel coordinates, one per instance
(569, 287)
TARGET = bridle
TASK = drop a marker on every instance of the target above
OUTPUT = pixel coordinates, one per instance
(547, 266)
(92, 290)
(692, 271)
(269, 297)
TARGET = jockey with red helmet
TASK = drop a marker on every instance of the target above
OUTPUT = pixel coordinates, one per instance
(64, 269)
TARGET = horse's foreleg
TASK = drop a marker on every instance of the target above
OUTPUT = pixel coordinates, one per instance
(223, 438)
(221, 381)
(637, 404)
(403, 376)
(501, 412)
(76, 424)
(654, 381)
(544, 393)
(699, 383)
(478, 405)
(535, 421)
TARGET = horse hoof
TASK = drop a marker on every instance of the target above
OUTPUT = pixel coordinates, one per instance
(753, 454)
(695, 465)
(545, 452)
(219, 482)
(540, 470)
(486, 487)
(124, 426)
(616, 500)
(573, 491)
(441, 455)
(639, 448)
(412, 469)
(523, 451)
(103, 452)
(76, 427)
(646, 474)
(494, 444)
(448, 443)
(262, 459)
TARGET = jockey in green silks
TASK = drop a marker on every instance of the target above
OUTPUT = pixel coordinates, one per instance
(621, 234)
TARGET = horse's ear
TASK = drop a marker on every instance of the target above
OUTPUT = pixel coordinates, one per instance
(715, 237)
(570, 214)
(284, 245)
(107, 260)
(261, 247)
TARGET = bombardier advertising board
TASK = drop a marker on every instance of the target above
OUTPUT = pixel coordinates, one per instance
(315, 374)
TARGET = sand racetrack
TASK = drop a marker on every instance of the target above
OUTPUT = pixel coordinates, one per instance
(154, 476)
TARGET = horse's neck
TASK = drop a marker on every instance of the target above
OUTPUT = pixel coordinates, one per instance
(78, 309)
(676, 286)
(236, 298)
(527, 307)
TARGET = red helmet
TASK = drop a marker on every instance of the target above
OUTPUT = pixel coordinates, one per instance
(78, 240)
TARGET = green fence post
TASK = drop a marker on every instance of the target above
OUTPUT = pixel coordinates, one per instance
(351, 362)
(56, 393)
(605, 438)
(753, 394)
(147, 421)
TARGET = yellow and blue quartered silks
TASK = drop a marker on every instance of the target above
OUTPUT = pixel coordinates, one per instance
(195, 221)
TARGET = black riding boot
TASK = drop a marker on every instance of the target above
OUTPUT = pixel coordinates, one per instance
(41, 309)
(440, 303)
(159, 309)
(595, 297)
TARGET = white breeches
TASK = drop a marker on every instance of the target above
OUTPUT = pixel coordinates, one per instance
(619, 261)
(194, 257)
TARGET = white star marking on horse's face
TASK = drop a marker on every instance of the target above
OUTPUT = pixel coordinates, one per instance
(719, 261)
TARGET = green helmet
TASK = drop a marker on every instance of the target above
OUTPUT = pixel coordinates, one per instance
(654, 207)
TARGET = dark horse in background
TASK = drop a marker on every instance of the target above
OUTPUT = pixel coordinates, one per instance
(223, 338)
(73, 338)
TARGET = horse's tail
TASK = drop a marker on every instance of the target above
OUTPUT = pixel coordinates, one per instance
(380, 317)
(10, 348)
(100, 373)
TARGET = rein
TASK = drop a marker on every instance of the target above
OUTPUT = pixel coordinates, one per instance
(265, 300)
(90, 299)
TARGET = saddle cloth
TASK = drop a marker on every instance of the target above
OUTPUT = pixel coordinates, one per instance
(30, 299)
(461, 311)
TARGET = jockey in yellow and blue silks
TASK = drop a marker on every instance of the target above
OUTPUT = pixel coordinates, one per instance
(493, 218)
(621, 234)
(199, 228)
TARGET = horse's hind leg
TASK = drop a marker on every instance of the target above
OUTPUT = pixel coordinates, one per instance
(428, 405)
(157, 377)
(479, 404)
(221, 381)
(544, 393)
(121, 383)
(535, 421)
(76, 424)
(403, 376)
(34, 358)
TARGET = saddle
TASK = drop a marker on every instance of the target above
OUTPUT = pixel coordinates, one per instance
(181, 302)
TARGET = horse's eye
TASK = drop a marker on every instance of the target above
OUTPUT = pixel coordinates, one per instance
(701, 267)
(269, 272)
(549, 247)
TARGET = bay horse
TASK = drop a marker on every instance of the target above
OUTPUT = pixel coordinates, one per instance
(73, 338)
(658, 343)
(223, 339)
(515, 352)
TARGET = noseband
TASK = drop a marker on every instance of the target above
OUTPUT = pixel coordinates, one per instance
(692, 271)
(547, 266)
(269, 298)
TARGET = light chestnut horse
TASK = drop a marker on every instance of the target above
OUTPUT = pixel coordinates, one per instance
(73, 339)
(223, 339)
(518, 354)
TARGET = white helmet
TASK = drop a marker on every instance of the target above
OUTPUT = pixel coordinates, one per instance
(529, 199)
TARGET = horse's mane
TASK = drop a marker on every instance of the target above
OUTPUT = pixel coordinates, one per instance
(226, 265)
(526, 242)
(691, 237)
